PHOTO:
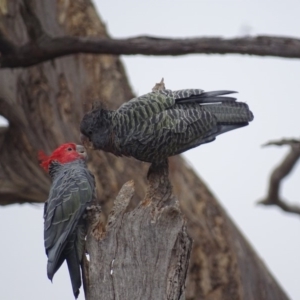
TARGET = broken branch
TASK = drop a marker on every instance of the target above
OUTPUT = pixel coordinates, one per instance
(279, 173)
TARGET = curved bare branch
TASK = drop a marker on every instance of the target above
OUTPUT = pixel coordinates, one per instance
(279, 173)
(48, 48)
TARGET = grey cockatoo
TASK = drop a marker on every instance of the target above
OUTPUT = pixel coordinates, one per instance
(72, 190)
(164, 123)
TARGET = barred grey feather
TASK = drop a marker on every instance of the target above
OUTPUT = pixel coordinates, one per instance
(163, 123)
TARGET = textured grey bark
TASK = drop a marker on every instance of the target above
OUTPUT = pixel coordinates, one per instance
(144, 253)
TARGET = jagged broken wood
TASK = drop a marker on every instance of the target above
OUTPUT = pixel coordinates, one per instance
(144, 253)
(279, 173)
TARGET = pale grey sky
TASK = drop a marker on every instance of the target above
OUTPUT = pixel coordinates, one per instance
(235, 166)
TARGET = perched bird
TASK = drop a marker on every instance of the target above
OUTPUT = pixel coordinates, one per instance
(164, 123)
(73, 188)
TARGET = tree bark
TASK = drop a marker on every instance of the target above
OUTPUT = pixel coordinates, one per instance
(144, 253)
(44, 105)
(49, 47)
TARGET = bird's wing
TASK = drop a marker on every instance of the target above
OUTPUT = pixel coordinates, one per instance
(147, 105)
(180, 116)
(70, 194)
(129, 117)
(144, 107)
(177, 125)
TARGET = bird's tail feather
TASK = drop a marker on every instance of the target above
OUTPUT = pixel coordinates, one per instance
(207, 97)
(230, 116)
(230, 113)
(74, 271)
(52, 267)
(55, 257)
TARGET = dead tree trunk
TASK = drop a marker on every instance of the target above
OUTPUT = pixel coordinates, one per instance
(44, 105)
(144, 253)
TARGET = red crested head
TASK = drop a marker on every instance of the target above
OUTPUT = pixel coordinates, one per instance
(63, 154)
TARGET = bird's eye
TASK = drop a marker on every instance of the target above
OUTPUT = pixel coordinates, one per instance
(69, 149)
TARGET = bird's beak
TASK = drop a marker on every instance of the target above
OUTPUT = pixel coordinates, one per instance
(85, 141)
(81, 150)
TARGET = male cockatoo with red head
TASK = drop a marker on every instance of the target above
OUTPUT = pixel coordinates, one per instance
(72, 190)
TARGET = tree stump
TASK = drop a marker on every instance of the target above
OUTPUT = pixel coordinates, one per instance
(143, 253)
